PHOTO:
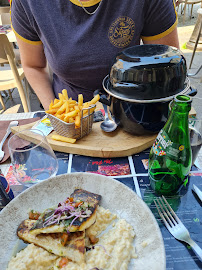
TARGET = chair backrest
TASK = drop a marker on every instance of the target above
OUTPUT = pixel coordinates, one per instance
(5, 9)
(6, 50)
(193, 2)
(188, 1)
(7, 54)
(5, 18)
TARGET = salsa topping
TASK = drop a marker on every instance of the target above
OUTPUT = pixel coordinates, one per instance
(66, 212)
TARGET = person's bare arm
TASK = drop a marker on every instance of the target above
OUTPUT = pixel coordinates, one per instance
(34, 65)
(170, 40)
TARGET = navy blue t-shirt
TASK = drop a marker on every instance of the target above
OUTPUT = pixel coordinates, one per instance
(80, 47)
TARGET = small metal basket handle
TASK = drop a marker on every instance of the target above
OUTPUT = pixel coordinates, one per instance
(88, 127)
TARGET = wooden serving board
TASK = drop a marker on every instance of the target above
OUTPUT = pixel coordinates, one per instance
(100, 144)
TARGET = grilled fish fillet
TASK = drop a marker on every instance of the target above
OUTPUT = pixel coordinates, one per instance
(73, 250)
(79, 224)
(86, 196)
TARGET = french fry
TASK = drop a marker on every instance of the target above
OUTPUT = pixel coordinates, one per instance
(86, 105)
(62, 109)
(78, 121)
(85, 112)
(58, 104)
(66, 119)
(94, 100)
(72, 114)
(56, 101)
(63, 139)
(60, 95)
(76, 108)
(52, 111)
(60, 116)
(72, 102)
(67, 107)
(65, 95)
(80, 100)
(71, 105)
(71, 119)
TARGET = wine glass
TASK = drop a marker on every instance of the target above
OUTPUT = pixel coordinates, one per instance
(32, 157)
(195, 129)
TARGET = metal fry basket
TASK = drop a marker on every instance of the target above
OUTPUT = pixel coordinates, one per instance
(69, 130)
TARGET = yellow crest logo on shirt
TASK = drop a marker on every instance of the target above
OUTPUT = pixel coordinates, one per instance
(121, 32)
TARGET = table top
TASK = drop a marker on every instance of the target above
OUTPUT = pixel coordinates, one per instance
(132, 171)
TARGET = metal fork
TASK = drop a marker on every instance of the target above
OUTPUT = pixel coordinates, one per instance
(174, 224)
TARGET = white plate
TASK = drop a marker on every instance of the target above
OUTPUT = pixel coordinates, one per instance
(117, 197)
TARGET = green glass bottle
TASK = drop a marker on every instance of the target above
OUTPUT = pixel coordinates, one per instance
(170, 157)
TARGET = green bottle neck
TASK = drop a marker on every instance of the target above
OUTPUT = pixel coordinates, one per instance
(178, 117)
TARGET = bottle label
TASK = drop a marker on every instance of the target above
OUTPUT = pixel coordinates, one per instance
(163, 146)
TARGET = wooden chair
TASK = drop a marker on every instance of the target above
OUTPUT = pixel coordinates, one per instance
(5, 9)
(5, 19)
(188, 2)
(198, 27)
(5, 15)
(11, 75)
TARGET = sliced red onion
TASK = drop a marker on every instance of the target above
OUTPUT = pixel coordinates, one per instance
(66, 211)
(103, 248)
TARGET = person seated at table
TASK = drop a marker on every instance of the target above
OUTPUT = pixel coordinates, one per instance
(79, 38)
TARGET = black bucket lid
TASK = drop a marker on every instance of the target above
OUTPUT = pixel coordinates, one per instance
(147, 72)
